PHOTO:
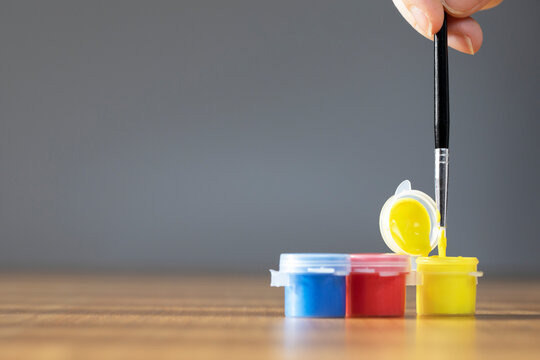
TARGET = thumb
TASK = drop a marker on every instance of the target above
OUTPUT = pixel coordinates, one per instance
(426, 16)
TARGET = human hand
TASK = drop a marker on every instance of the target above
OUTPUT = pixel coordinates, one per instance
(426, 16)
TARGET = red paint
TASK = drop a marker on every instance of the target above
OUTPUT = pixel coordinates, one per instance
(376, 285)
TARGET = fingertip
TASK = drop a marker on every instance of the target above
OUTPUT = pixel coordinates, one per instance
(465, 35)
(434, 11)
(426, 16)
(464, 8)
(437, 18)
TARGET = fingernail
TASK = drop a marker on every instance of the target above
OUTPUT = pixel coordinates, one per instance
(461, 42)
(469, 44)
(422, 22)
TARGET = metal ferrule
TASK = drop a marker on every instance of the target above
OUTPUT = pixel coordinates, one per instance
(441, 182)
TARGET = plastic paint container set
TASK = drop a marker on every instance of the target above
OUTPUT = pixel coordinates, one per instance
(371, 285)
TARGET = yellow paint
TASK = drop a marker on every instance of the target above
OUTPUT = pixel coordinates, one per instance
(447, 285)
(442, 243)
(410, 226)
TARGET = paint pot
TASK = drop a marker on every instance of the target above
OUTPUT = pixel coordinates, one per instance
(376, 285)
(315, 284)
(446, 285)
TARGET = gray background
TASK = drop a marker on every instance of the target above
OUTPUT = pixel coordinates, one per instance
(214, 135)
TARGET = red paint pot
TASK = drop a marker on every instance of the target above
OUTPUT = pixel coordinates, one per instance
(376, 285)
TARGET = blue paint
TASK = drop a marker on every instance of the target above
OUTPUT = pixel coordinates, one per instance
(315, 295)
(314, 284)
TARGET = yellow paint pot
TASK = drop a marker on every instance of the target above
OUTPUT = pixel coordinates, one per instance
(409, 224)
(446, 285)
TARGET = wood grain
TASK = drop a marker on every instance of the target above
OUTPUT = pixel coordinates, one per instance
(191, 317)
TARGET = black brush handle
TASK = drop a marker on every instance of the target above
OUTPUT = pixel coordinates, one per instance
(442, 114)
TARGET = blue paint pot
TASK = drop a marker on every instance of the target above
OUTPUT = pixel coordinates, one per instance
(314, 284)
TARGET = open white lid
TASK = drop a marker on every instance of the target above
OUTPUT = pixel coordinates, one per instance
(404, 190)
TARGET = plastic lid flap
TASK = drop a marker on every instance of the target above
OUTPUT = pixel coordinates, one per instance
(404, 190)
(278, 279)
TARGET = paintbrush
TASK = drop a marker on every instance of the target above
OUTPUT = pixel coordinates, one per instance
(442, 122)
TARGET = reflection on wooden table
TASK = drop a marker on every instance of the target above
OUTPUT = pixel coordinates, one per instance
(188, 317)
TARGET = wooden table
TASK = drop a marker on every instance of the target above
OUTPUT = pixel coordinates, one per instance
(191, 317)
